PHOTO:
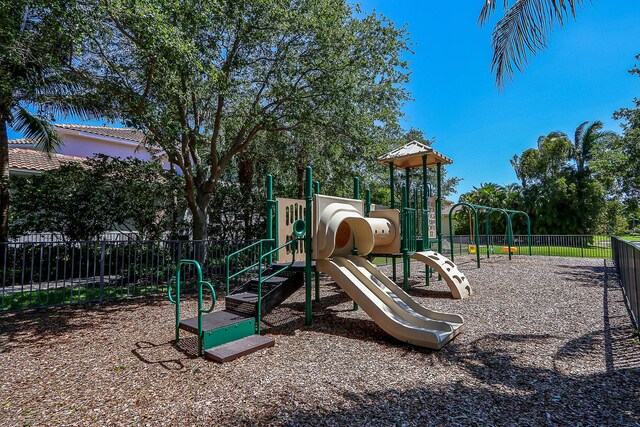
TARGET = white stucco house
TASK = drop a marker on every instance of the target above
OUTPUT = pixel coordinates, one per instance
(79, 142)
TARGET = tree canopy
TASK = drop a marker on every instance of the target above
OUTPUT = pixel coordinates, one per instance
(207, 80)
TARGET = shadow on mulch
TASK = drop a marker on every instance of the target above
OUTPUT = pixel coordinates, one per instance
(31, 326)
(588, 276)
(151, 353)
(499, 390)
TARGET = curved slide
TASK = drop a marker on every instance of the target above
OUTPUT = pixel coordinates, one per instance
(458, 283)
(388, 305)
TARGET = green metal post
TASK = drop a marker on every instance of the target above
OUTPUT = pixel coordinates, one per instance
(356, 195)
(392, 186)
(269, 227)
(439, 207)
(425, 215)
(308, 196)
(367, 203)
(316, 190)
(487, 227)
(405, 239)
(475, 212)
(406, 193)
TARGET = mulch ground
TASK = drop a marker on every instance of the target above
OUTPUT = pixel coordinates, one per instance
(547, 341)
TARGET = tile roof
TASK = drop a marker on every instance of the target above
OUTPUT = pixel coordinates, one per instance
(34, 160)
(128, 134)
(22, 141)
(410, 156)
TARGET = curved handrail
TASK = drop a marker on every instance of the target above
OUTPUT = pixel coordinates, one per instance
(171, 279)
(213, 296)
(176, 301)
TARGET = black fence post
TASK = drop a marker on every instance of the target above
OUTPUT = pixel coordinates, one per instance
(103, 249)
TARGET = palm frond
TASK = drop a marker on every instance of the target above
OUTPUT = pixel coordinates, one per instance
(36, 127)
(523, 30)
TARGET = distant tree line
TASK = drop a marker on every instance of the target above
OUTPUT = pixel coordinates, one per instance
(586, 183)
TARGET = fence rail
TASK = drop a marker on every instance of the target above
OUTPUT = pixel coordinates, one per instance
(43, 274)
(581, 246)
(626, 256)
(51, 273)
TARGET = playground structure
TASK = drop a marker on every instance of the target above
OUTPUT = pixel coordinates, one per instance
(335, 236)
(474, 233)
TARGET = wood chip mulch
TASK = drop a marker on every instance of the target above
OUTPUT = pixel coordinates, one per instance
(547, 341)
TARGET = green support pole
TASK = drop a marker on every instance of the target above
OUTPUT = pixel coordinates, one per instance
(316, 190)
(392, 186)
(270, 201)
(367, 203)
(487, 226)
(356, 195)
(405, 240)
(509, 234)
(439, 207)
(406, 193)
(477, 240)
(308, 197)
(425, 215)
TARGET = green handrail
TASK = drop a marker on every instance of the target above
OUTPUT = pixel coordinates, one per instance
(228, 276)
(275, 273)
(176, 301)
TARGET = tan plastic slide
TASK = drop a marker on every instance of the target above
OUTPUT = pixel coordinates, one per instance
(388, 305)
(458, 283)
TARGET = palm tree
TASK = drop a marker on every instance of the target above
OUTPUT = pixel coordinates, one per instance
(524, 29)
(587, 136)
(35, 80)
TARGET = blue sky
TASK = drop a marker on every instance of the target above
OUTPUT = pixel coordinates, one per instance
(581, 76)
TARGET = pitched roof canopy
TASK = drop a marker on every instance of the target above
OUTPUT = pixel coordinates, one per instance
(38, 161)
(128, 134)
(410, 156)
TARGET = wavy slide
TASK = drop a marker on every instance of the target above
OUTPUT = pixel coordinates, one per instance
(457, 282)
(388, 305)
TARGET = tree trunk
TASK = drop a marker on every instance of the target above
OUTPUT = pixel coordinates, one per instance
(199, 224)
(4, 182)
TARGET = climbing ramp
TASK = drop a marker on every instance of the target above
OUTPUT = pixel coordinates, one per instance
(457, 282)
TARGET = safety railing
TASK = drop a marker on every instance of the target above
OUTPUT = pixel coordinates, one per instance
(293, 244)
(409, 236)
(177, 278)
(626, 256)
(253, 253)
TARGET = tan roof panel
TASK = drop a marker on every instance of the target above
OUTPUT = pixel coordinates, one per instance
(34, 160)
(128, 134)
(410, 156)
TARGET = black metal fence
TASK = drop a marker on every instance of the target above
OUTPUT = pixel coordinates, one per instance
(43, 274)
(626, 256)
(581, 246)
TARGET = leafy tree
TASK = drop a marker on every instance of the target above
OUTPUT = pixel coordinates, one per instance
(82, 201)
(524, 29)
(36, 49)
(558, 188)
(207, 79)
(629, 147)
